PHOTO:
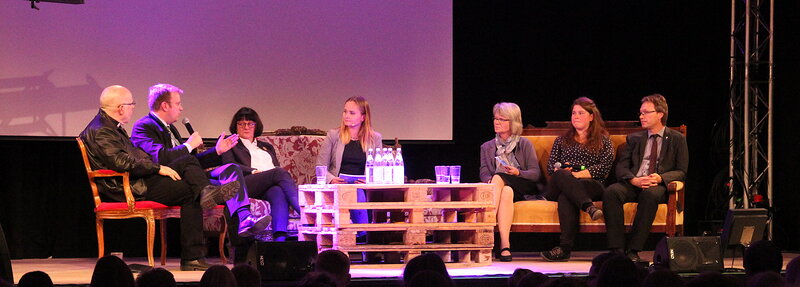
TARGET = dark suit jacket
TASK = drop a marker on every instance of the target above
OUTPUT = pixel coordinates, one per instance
(108, 147)
(150, 134)
(673, 158)
(241, 156)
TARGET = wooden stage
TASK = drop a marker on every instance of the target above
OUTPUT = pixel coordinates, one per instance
(78, 271)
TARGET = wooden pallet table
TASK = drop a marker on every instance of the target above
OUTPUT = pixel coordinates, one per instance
(463, 235)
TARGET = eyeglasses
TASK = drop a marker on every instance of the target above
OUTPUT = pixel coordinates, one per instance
(246, 125)
(128, 104)
(642, 113)
(502, 120)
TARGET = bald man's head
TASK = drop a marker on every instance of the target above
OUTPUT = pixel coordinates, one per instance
(117, 102)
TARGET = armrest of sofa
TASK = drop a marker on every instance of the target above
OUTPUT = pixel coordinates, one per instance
(674, 206)
(675, 188)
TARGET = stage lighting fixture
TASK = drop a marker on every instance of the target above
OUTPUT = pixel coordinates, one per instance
(33, 2)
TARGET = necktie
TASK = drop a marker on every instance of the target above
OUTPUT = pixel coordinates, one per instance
(175, 141)
(653, 155)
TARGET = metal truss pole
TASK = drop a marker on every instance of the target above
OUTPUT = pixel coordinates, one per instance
(751, 94)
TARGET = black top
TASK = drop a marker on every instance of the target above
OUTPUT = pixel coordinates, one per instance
(598, 163)
(353, 159)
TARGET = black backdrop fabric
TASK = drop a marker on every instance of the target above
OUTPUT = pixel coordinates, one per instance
(539, 55)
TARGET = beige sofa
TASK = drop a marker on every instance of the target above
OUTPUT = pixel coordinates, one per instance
(542, 216)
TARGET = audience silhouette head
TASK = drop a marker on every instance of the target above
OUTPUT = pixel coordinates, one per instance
(762, 255)
(35, 279)
(111, 271)
(156, 277)
(427, 261)
(246, 276)
(336, 263)
(218, 276)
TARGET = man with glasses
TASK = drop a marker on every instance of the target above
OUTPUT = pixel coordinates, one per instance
(180, 182)
(156, 135)
(651, 159)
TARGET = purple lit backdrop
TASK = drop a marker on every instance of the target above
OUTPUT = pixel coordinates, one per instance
(295, 62)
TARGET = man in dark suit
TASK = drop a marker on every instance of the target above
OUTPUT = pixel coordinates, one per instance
(156, 135)
(181, 182)
(650, 160)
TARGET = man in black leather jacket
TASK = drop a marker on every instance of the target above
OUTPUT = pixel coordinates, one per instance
(182, 182)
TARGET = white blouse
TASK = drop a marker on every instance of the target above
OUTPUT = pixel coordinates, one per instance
(259, 158)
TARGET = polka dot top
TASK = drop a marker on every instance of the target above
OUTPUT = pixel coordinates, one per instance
(598, 163)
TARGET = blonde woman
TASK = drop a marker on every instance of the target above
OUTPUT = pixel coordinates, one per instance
(345, 148)
(509, 163)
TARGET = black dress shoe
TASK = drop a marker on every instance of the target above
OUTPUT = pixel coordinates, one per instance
(194, 265)
(213, 195)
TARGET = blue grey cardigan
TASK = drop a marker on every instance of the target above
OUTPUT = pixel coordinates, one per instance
(525, 154)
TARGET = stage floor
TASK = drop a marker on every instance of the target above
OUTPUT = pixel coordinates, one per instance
(79, 270)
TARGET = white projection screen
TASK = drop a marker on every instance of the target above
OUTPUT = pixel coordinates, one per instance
(295, 62)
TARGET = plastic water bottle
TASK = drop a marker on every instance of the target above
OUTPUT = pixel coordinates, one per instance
(399, 167)
(368, 169)
(388, 168)
(377, 170)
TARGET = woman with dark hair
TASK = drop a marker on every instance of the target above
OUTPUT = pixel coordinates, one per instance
(579, 163)
(264, 177)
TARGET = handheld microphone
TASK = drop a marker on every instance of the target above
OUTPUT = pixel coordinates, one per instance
(188, 126)
(557, 165)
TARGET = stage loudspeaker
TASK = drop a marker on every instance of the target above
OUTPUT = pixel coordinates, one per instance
(689, 254)
(282, 261)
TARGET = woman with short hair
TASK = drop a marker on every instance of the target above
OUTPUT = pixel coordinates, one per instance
(509, 163)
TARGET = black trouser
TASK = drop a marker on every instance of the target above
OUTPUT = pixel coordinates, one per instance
(185, 193)
(618, 194)
(276, 186)
(572, 195)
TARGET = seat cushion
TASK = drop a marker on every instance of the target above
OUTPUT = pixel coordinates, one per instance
(123, 205)
(543, 212)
